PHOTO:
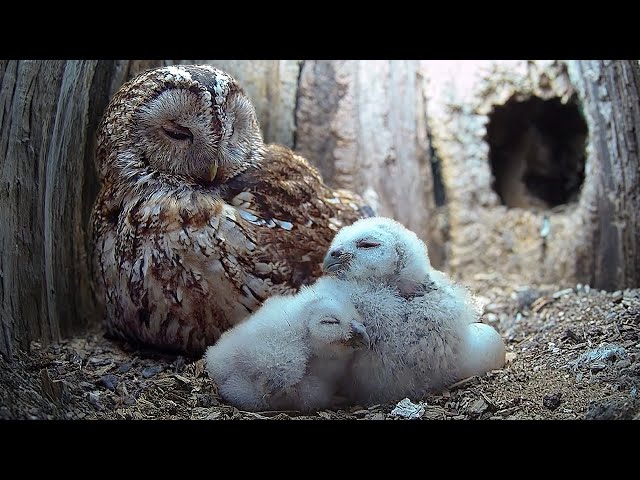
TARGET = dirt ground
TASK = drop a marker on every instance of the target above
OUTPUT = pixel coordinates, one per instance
(573, 353)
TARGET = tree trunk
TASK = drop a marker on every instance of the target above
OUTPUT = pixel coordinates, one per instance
(364, 125)
(50, 112)
(611, 98)
(497, 226)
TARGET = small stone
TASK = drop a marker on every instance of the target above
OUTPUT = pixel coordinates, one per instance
(110, 381)
(129, 401)
(562, 293)
(151, 371)
(552, 401)
(124, 367)
(94, 399)
(360, 413)
(620, 364)
(492, 308)
(491, 317)
(378, 416)
(478, 406)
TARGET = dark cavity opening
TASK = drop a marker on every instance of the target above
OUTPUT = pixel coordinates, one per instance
(537, 152)
(439, 192)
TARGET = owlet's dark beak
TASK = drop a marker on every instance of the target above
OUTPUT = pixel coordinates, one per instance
(333, 260)
(359, 336)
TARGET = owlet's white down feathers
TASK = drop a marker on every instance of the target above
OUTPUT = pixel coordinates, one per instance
(291, 354)
(414, 330)
(418, 319)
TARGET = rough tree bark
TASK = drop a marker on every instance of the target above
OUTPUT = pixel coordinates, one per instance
(49, 111)
(364, 125)
(611, 96)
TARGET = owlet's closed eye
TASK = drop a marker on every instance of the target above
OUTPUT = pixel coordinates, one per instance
(367, 244)
(176, 131)
(329, 321)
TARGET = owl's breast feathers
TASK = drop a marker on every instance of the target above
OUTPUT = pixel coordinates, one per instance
(179, 264)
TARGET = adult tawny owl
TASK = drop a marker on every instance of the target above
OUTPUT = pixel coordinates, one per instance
(198, 221)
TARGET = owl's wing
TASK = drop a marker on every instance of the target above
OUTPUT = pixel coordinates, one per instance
(177, 265)
(182, 263)
(295, 213)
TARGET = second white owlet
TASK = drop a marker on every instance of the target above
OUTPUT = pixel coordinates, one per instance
(198, 221)
(290, 354)
(421, 323)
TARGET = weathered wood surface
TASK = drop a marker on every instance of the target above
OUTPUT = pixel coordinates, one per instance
(611, 96)
(364, 125)
(50, 111)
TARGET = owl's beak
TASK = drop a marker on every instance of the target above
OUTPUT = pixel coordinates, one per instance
(359, 336)
(333, 260)
(213, 171)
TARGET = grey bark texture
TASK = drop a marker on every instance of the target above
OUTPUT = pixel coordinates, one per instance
(364, 125)
(611, 96)
(49, 114)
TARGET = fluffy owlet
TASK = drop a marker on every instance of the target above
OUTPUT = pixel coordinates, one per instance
(198, 221)
(290, 354)
(422, 325)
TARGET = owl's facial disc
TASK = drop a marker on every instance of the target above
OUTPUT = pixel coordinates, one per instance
(197, 122)
(181, 134)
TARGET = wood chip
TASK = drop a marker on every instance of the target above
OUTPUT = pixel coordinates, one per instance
(182, 379)
(541, 303)
(509, 357)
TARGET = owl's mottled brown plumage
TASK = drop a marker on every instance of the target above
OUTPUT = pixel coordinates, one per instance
(197, 221)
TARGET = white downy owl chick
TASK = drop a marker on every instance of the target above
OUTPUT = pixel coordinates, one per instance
(421, 323)
(291, 353)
